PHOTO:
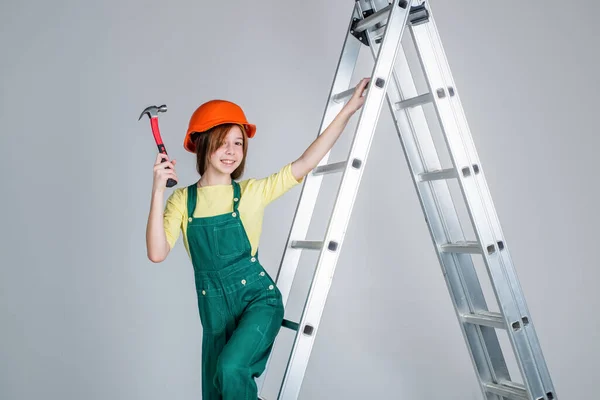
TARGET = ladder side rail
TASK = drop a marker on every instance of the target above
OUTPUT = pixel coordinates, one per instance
(345, 198)
(494, 223)
(429, 49)
(312, 182)
(458, 269)
(443, 224)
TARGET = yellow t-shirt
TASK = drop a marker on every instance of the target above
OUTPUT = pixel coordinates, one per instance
(256, 194)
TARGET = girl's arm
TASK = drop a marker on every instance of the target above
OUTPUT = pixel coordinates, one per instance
(156, 241)
(157, 245)
(325, 141)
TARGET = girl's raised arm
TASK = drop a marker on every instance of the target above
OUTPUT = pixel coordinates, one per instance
(325, 141)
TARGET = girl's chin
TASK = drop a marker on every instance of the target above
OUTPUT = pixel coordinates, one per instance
(227, 169)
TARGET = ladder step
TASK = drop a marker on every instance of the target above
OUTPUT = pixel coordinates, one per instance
(307, 244)
(345, 95)
(486, 318)
(440, 174)
(508, 390)
(414, 101)
(373, 19)
(330, 168)
(290, 325)
(462, 247)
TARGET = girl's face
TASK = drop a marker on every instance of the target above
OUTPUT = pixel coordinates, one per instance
(229, 156)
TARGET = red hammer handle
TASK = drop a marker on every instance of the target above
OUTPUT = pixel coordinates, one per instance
(161, 147)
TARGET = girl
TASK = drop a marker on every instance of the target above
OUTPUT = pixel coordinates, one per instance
(240, 306)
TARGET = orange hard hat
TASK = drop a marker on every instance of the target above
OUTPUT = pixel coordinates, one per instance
(213, 113)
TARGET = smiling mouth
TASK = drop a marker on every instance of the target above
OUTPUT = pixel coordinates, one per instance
(228, 162)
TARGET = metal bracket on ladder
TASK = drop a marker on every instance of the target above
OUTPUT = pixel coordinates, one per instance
(380, 25)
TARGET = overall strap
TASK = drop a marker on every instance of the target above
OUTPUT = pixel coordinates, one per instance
(192, 193)
(237, 193)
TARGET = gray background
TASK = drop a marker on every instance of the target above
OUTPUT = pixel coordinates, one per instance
(85, 315)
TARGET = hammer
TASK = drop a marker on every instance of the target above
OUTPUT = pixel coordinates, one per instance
(152, 112)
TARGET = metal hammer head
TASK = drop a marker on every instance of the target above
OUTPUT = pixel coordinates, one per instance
(153, 111)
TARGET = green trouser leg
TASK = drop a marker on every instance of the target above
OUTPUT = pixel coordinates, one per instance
(240, 306)
(234, 354)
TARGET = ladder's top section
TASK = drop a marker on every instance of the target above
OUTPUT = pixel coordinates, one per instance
(381, 4)
(376, 13)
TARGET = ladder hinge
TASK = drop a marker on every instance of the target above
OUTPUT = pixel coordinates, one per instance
(290, 325)
(362, 35)
(418, 15)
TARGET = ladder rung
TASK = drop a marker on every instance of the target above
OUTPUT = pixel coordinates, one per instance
(307, 244)
(373, 19)
(346, 94)
(330, 168)
(462, 247)
(508, 390)
(485, 318)
(414, 101)
(290, 325)
(440, 174)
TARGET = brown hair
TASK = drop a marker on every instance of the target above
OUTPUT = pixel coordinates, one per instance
(209, 141)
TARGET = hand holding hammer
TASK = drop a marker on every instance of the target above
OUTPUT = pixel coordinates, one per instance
(163, 167)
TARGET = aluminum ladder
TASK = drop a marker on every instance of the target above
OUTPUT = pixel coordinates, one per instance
(380, 25)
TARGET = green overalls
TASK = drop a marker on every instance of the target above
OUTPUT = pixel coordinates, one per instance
(240, 306)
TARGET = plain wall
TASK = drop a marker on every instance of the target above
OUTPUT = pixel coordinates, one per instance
(85, 315)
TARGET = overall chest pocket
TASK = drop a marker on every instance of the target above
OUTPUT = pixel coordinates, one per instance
(229, 240)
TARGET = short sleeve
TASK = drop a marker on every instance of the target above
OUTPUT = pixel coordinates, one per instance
(173, 216)
(275, 185)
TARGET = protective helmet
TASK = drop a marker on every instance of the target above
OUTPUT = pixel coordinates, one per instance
(213, 113)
